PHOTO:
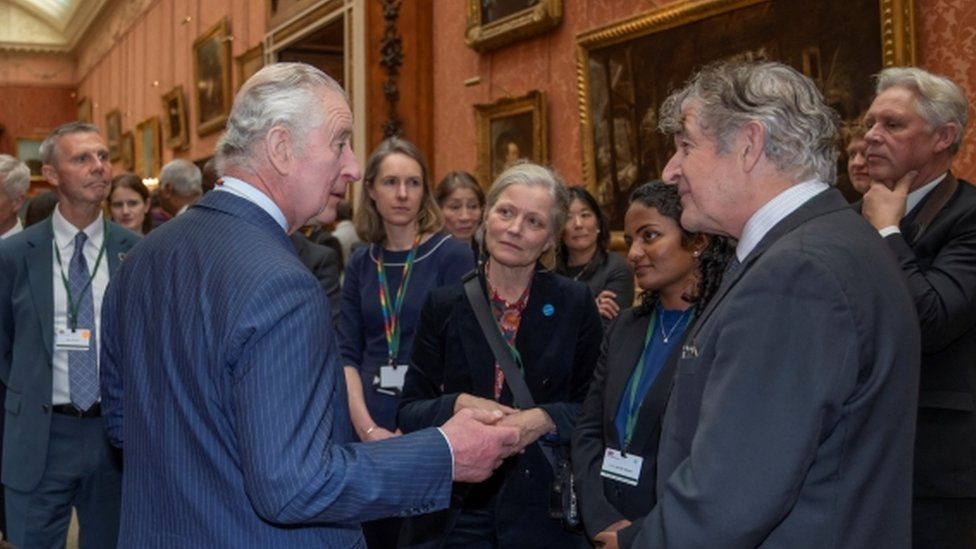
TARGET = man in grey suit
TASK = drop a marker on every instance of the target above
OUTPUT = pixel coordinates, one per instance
(224, 388)
(928, 219)
(52, 279)
(789, 423)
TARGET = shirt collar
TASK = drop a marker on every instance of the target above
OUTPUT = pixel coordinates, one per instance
(250, 193)
(918, 194)
(64, 231)
(775, 211)
(18, 226)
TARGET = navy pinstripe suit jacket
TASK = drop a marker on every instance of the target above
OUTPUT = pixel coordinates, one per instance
(221, 383)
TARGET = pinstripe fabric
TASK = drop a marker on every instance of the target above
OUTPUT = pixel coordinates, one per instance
(220, 380)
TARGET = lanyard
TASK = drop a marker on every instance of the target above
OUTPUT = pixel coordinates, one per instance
(633, 403)
(391, 310)
(72, 304)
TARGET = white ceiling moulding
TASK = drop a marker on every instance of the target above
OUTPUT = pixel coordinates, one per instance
(45, 25)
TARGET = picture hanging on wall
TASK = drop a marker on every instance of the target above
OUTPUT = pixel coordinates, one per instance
(212, 78)
(509, 130)
(85, 110)
(113, 133)
(128, 151)
(249, 63)
(174, 119)
(148, 153)
(495, 23)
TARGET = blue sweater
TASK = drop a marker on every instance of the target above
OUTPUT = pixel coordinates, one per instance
(440, 261)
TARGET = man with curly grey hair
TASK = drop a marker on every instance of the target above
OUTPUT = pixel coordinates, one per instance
(787, 423)
(14, 182)
(928, 219)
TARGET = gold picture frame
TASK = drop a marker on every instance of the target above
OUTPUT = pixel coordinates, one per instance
(500, 22)
(113, 133)
(127, 151)
(249, 63)
(174, 119)
(85, 110)
(626, 69)
(148, 152)
(212, 78)
(510, 129)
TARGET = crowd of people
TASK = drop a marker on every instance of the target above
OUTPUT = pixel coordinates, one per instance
(250, 361)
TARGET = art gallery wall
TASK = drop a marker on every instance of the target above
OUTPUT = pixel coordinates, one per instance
(36, 94)
(945, 44)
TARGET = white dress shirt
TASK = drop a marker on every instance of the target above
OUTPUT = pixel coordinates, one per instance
(775, 211)
(911, 201)
(64, 239)
(250, 193)
(18, 226)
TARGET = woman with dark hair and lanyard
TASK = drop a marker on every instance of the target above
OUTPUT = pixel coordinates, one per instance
(550, 330)
(585, 256)
(386, 284)
(616, 438)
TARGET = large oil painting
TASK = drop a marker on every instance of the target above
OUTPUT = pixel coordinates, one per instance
(627, 69)
(212, 80)
(511, 129)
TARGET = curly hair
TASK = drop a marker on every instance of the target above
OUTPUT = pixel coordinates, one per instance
(712, 261)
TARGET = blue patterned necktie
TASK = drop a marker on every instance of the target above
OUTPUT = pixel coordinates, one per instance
(82, 366)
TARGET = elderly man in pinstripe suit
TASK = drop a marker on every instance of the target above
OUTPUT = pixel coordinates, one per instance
(219, 375)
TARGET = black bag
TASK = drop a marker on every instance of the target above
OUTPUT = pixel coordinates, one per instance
(562, 493)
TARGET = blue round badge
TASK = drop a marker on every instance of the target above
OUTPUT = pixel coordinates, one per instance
(548, 309)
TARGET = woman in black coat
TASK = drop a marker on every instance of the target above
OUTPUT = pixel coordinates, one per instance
(550, 326)
(616, 439)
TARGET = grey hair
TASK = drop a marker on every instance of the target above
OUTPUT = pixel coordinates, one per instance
(14, 176)
(285, 94)
(801, 130)
(48, 150)
(533, 175)
(183, 175)
(938, 100)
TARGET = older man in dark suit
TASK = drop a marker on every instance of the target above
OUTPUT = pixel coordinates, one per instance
(52, 279)
(928, 219)
(220, 373)
(787, 423)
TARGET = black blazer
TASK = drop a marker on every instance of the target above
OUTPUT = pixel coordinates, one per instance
(604, 501)
(559, 341)
(940, 266)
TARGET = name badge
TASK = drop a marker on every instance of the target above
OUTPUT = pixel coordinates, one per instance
(621, 467)
(72, 340)
(392, 377)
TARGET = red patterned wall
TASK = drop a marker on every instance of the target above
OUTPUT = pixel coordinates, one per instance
(32, 111)
(946, 43)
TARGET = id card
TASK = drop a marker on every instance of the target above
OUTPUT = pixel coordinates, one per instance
(72, 340)
(621, 467)
(392, 377)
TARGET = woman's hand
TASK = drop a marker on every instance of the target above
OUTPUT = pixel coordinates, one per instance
(376, 433)
(606, 304)
(465, 400)
(532, 424)
(607, 539)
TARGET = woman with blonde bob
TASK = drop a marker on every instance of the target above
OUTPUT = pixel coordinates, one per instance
(550, 326)
(385, 285)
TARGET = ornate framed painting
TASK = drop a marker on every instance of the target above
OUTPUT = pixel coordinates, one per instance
(148, 153)
(249, 63)
(508, 130)
(627, 69)
(128, 151)
(29, 152)
(495, 23)
(113, 132)
(174, 119)
(211, 78)
(85, 110)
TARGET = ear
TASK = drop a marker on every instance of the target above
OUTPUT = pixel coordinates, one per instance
(944, 137)
(50, 174)
(750, 144)
(279, 147)
(699, 243)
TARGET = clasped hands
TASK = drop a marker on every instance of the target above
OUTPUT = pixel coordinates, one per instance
(483, 433)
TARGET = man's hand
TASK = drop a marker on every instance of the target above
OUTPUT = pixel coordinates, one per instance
(608, 538)
(464, 400)
(531, 423)
(479, 446)
(883, 206)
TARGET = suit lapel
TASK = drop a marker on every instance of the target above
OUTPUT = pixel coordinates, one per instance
(538, 322)
(116, 245)
(40, 274)
(630, 340)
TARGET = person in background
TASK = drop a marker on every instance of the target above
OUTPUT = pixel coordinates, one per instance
(345, 230)
(128, 202)
(462, 202)
(14, 183)
(585, 256)
(180, 185)
(677, 271)
(385, 285)
(209, 175)
(40, 206)
(857, 160)
(927, 218)
(550, 325)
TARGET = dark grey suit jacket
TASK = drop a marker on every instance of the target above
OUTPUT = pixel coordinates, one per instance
(792, 416)
(27, 342)
(325, 264)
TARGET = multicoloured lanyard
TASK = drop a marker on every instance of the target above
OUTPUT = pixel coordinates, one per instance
(391, 310)
(72, 304)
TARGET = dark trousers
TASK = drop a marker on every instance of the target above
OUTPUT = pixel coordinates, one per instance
(944, 523)
(82, 471)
